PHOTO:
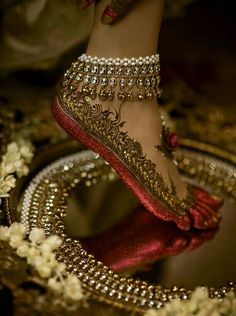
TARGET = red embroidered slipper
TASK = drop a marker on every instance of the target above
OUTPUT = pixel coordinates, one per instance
(77, 110)
(144, 240)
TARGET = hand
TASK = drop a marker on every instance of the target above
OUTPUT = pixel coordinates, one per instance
(115, 10)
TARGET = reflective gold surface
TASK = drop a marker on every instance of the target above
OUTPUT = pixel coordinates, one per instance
(187, 269)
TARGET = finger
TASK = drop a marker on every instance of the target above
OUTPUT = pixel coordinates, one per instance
(115, 9)
(83, 4)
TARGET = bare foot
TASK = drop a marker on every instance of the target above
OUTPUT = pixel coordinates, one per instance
(136, 35)
(143, 123)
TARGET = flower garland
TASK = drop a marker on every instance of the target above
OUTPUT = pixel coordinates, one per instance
(14, 164)
(200, 304)
(39, 252)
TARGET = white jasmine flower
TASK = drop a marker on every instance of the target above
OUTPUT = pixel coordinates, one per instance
(225, 306)
(15, 158)
(4, 233)
(50, 258)
(12, 148)
(200, 293)
(45, 248)
(192, 306)
(55, 285)
(33, 254)
(7, 168)
(61, 267)
(53, 263)
(10, 181)
(53, 242)
(11, 162)
(72, 280)
(199, 305)
(153, 312)
(72, 287)
(174, 307)
(6, 184)
(17, 229)
(23, 249)
(34, 257)
(37, 235)
(14, 162)
(26, 150)
(234, 307)
(38, 252)
(44, 271)
(15, 241)
(47, 255)
(22, 170)
(4, 190)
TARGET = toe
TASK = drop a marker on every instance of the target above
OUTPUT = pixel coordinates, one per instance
(215, 202)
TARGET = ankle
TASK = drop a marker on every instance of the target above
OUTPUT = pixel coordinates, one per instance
(135, 35)
(119, 49)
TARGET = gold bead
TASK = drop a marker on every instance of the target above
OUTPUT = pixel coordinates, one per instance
(130, 96)
(110, 95)
(121, 96)
(103, 95)
(140, 97)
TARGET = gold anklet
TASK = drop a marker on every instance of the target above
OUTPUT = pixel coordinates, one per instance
(126, 79)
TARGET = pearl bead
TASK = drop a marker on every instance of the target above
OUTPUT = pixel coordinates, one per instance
(118, 61)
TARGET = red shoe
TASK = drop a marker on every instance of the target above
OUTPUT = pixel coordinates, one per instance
(77, 111)
(144, 239)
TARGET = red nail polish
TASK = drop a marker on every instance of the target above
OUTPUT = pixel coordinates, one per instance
(85, 3)
(109, 15)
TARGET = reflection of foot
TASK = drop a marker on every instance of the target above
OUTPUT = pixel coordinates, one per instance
(144, 239)
(92, 107)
